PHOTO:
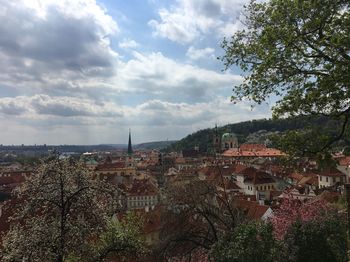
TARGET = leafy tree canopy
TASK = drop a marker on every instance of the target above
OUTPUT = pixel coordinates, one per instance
(250, 242)
(299, 52)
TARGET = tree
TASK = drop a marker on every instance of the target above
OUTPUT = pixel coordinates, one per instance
(310, 231)
(290, 211)
(121, 238)
(316, 240)
(63, 209)
(251, 242)
(299, 52)
(197, 217)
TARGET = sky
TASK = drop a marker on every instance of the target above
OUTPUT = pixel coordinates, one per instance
(85, 71)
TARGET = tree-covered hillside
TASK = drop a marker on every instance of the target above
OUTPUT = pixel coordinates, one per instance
(204, 138)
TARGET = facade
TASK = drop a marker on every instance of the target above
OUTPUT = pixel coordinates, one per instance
(331, 177)
(224, 142)
(228, 141)
(115, 169)
(252, 151)
(142, 194)
(118, 169)
(257, 183)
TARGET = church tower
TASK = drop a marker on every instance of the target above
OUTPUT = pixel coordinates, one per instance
(129, 144)
(129, 158)
(216, 140)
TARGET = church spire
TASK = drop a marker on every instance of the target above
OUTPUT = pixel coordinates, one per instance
(129, 144)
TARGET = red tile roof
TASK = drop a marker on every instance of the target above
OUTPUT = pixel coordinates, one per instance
(331, 172)
(142, 188)
(267, 152)
(252, 209)
(11, 179)
(345, 161)
(110, 166)
(252, 147)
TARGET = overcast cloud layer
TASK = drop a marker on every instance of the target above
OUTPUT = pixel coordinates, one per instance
(84, 72)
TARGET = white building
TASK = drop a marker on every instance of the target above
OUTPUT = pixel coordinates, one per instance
(331, 177)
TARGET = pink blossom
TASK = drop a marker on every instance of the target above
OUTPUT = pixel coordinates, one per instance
(292, 210)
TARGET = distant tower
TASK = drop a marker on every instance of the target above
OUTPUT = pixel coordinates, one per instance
(130, 158)
(129, 144)
(216, 140)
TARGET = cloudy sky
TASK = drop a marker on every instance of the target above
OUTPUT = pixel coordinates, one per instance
(85, 71)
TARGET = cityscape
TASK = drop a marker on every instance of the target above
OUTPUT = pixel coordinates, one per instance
(187, 130)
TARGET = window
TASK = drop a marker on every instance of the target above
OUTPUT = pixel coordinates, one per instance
(326, 179)
(333, 179)
(320, 178)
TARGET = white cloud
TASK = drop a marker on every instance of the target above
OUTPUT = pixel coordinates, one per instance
(56, 106)
(159, 75)
(46, 42)
(60, 75)
(231, 27)
(188, 20)
(128, 43)
(88, 122)
(195, 54)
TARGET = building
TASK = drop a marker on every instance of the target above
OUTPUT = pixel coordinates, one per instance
(255, 182)
(330, 177)
(142, 194)
(228, 141)
(129, 158)
(224, 142)
(252, 151)
(253, 210)
(216, 140)
(116, 170)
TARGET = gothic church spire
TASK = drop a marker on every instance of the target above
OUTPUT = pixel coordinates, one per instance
(129, 144)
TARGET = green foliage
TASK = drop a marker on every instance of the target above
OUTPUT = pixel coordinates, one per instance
(252, 242)
(297, 51)
(316, 241)
(319, 240)
(121, 238)
(26, 160)
(346, 151)
(341, 203)
(204, 138)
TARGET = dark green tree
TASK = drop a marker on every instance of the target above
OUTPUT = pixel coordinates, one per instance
(320, 241)
(250, 242)
(297, 51)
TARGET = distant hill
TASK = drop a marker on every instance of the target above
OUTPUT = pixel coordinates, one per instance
(248, 130)
(155, 145)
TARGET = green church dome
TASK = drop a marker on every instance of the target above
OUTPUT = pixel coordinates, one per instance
(228, 136)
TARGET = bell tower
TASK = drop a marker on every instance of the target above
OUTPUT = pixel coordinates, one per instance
(216, 140)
